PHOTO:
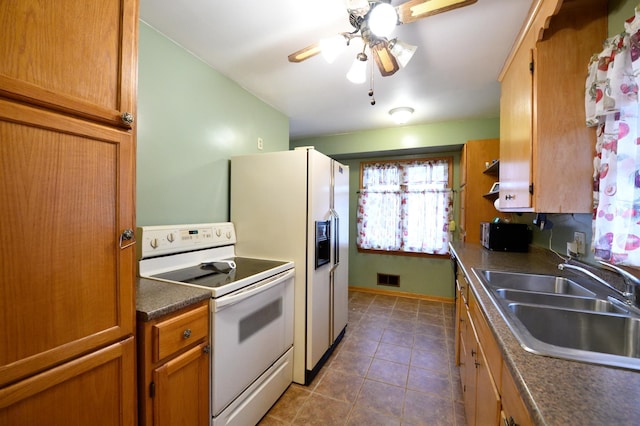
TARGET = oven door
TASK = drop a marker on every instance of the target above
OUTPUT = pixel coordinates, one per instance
(252, 328)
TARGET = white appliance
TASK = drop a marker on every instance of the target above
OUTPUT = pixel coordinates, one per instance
(251, 313)
(295, 205)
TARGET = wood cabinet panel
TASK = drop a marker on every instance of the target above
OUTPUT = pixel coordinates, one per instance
(67, 285)
(512, 405)
(96, 389)
(70, 57)
(488, 398)
(181, 384)
(542, 120)
(474, 208)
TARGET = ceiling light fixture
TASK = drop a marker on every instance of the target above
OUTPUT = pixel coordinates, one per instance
(403, 52)
(358, 72)
(373, 21)
(401, 114)
(332, 47)
(383, 18)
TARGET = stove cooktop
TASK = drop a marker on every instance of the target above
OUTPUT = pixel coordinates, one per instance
(208, 275)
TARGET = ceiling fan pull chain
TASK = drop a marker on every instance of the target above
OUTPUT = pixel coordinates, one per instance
(373, 99)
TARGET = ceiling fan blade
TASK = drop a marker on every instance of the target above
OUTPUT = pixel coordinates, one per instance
(387, 64)
(416, 9)
(305, 53)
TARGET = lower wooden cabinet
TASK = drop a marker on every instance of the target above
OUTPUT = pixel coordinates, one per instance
(173, 368)
(481, 396)
(514, 412)
(95, 389)
(489, 391)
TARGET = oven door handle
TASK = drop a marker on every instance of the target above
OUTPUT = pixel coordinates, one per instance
(226, 301)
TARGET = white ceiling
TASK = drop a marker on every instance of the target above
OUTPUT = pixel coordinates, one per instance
(452, 76)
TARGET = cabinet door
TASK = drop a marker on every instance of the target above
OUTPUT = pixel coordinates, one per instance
(182, 390)
(66, 197)
(468, 351)
(487, 398)
(514, 410)
(516, 132)
(71, 57)
(96, 389)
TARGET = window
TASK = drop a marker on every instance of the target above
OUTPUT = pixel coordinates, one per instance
(404, 206)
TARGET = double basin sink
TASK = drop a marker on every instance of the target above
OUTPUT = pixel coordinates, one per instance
(559, 317)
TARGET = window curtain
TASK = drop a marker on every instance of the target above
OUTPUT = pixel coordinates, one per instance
(612, 105)
(405, 206)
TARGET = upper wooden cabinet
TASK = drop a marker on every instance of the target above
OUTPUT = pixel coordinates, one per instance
(546, 150)
(70, 56)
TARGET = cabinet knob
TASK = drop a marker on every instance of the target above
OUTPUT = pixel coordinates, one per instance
(187, 333)
(473, 353)
(127, 118)
(127, 235)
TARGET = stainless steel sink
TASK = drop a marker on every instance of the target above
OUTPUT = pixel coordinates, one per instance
(588, 336)
(561, 301)
(537, 283)
(555, 316)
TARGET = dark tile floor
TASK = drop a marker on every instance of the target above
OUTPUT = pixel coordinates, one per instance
(395, 366)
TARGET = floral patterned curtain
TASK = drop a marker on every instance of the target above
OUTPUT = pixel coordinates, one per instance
(405, 206)
(612, 105)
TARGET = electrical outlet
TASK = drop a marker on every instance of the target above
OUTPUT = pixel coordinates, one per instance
(260, 143)
(580, 239)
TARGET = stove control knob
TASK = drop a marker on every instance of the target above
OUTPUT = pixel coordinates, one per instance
(218, 232)
(228, 235)
(154, 243)
(170, 238)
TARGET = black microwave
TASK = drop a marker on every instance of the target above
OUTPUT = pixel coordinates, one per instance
(502, 236)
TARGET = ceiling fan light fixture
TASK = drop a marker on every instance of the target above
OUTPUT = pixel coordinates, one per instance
(401, 114)
(332, 47)
(383, 18)
(358, 72)
(403, 52)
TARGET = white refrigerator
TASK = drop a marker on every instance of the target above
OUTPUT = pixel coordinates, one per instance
(294, 205)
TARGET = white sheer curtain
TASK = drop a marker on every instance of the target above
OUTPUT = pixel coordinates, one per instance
(405, 206)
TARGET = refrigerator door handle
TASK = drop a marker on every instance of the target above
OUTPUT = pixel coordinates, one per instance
(335, 229)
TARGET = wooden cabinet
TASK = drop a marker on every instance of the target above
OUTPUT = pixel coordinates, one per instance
(489, 392)
(95, 389)
(514, 412)
(475, 182)
(173, 373)
(546, 150)
(67, 167)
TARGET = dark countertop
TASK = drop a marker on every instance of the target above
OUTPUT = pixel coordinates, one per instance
(156, 298)
(556, 391)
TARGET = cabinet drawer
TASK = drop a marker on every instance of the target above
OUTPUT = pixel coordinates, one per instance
(179, 332)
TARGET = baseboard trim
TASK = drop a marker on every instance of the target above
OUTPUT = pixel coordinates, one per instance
(401, 294)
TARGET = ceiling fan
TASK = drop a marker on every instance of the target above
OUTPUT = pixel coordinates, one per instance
(373, 21)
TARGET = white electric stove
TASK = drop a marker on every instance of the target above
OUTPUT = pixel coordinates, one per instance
(251, 313)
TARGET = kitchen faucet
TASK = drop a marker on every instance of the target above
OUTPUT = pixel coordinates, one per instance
(631, 281)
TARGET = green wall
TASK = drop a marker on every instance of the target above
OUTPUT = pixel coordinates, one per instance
(191, 120)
